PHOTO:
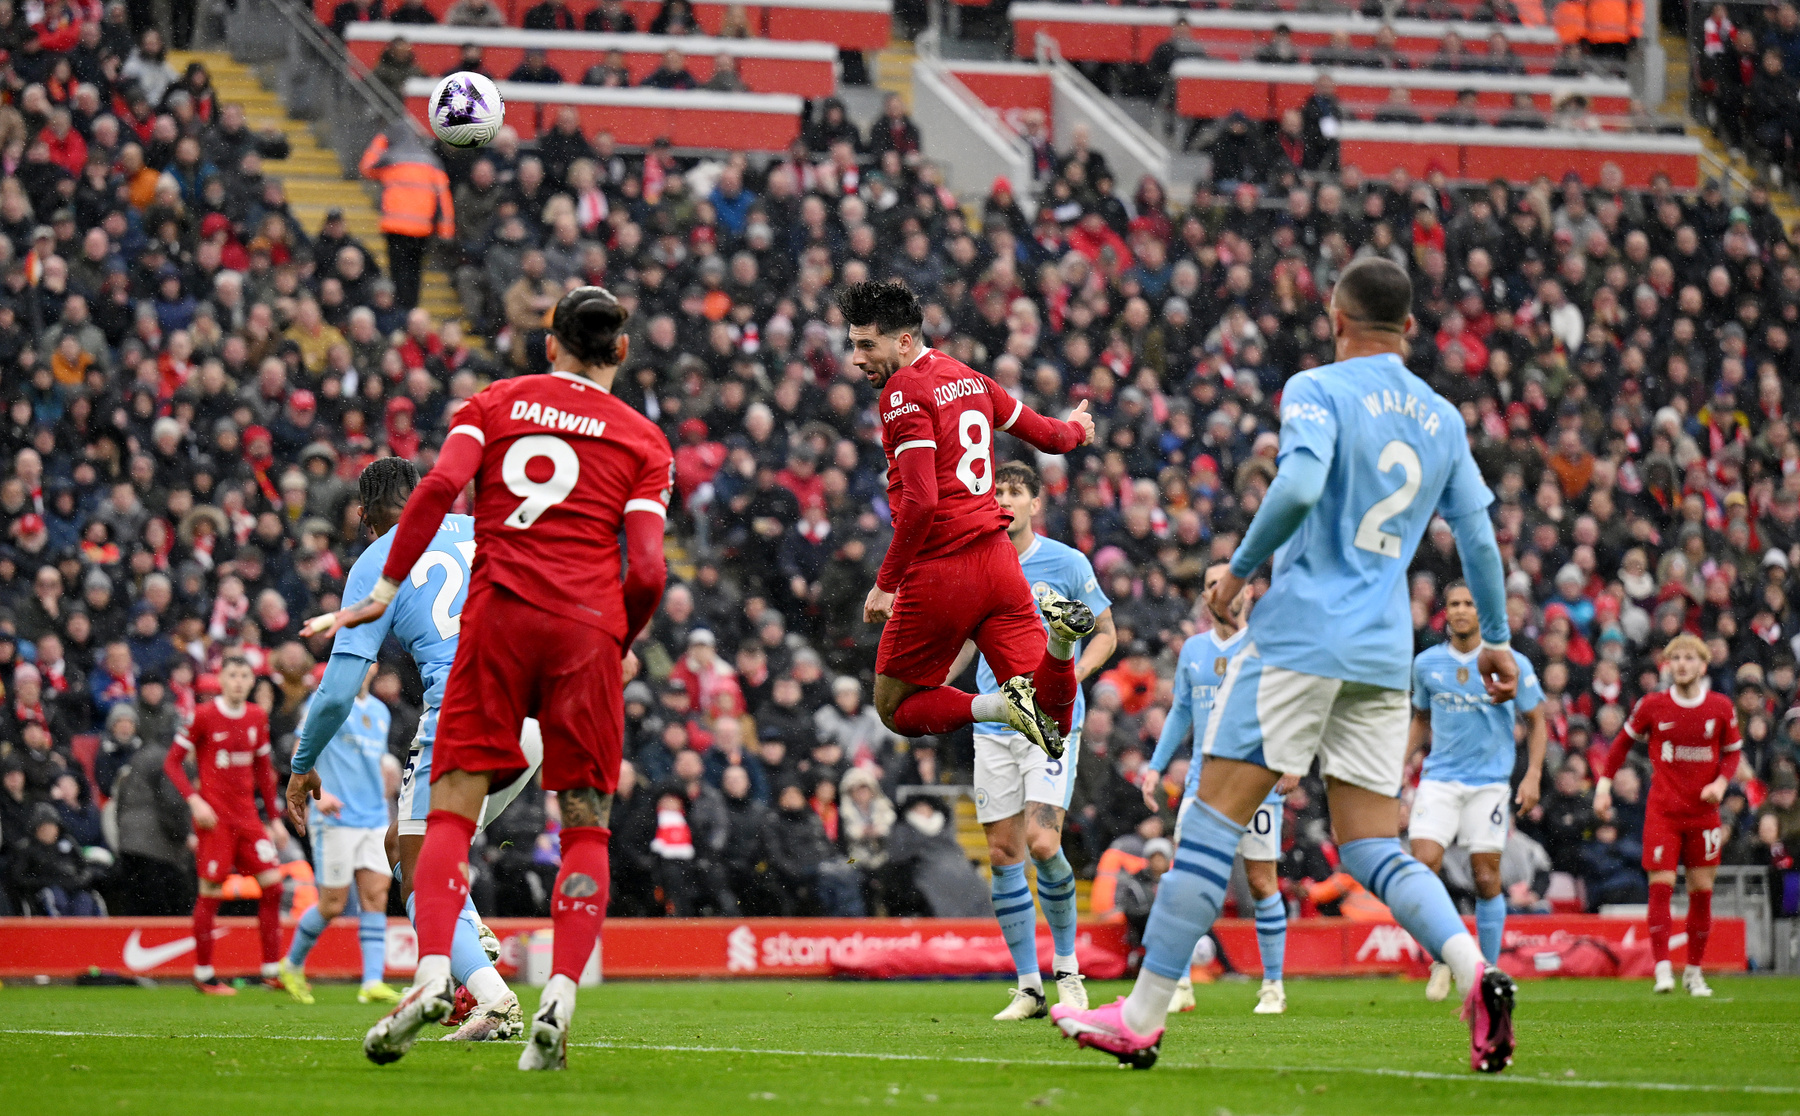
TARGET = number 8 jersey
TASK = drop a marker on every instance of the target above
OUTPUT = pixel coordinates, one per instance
(1394, 452)
(941, 406)
(562, 462)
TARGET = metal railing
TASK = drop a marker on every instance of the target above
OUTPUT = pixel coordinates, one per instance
(316, 78)
(1130, 147)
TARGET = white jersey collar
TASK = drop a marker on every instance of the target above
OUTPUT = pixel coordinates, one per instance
(1037, 541)
(1459, 656)
(1224, 643)
(923, 353)
(583, 381)
(1705, 688)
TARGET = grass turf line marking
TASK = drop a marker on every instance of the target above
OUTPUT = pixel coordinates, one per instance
(669, 1048)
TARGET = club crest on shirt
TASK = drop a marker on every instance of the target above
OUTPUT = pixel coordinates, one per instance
(1462, 675)
(1219, 665)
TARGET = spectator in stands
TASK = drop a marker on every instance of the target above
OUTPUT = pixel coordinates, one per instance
(927, 868)
(1450, 57)
(894, 131)
(1501, 58)
(609, 17)
(810, 876)
(675, 17)
(610, 72)
(413, 12)
(550, 15)
(535, 68)
(1384, 52)
(1524, 113)
(395, 66)
(346, 13)
(1398, 108)
(725, 77)
(149, 67)
(154, 873)
(831, 127)
(1280, 49)
(474, 13)
(671, 73)
(50, 871)
(1778, 820)
(1180, 45)
(1465, 113)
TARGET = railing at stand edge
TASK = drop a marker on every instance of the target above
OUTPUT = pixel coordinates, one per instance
(317, 79)
(1111, 126)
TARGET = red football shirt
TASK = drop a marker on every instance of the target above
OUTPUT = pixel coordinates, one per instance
(232, 755)
(941, 405)
(1689, 745)
(562, 462)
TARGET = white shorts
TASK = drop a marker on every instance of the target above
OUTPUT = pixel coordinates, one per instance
(415, 781)
(1282, 719)
(1262, 837)
(345, 850)
(1477, 816)
(1011, 771)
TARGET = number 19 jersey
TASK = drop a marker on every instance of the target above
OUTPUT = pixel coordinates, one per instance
(563, 460)
(1394, 451)
(941, 406)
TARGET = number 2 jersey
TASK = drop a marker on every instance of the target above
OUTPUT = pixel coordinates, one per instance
(941, 406)
(1394, 452)
(426, 614)
(558, 462)
(1690, 745)
(231, 752)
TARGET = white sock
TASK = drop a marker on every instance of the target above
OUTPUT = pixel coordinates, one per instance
(1033, 981)
(1663, 969)
(1147, 1008)
(486, 986)
(271, 969)
(434, 967)
(1061, 649)
(203, 972)
(1465, 960)
(1691, 970)
(989, 707)
(1061, 964)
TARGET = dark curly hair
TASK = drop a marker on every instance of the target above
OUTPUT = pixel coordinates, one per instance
(889, 307)
(385, 483)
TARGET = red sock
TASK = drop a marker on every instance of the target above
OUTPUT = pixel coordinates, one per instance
(1054, 680)
(1660, 919)
(934, 711)
(579, 905)
(268, 922)
(1699, 925)
(441, 880)
(206, 910)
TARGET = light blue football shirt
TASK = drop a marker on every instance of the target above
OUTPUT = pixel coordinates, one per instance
(1066, 570)
(350, 767)
(426, 614)
(1394, 452)
(1199, 672)
(1471, 737)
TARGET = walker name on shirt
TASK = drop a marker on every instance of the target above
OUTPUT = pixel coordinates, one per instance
(553, 419)
(1407, 405)
(946, 394)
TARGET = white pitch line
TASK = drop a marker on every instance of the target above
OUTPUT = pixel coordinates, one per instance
(878, 1056)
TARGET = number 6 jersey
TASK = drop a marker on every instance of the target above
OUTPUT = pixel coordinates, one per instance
(1394, 452)
(558, 462)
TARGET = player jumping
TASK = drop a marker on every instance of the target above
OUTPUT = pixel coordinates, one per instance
(1692, 735)
(949, 575)
(1368, 451)
(349, 827)
(1199, 671)
(561, 467)
(426, 617)
(1462, 794)
(1021, 794)
(229, 740)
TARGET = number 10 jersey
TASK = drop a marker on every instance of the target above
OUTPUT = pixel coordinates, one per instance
(1394, 451)
(563, 460)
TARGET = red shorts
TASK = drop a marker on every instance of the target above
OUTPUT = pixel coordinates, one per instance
(514, 661)
(1671, 841)
(234, 847)
(978, 593)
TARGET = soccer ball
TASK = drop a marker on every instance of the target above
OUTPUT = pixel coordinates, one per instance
(466, 110)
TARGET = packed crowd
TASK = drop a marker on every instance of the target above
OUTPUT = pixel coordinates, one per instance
(193, 381)
(1746, 81)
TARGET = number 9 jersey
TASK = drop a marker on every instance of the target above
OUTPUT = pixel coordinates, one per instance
(563, 461)
(943, 407)
(1394, 452)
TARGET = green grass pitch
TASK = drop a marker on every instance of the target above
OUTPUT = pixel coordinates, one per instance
(735, 1049)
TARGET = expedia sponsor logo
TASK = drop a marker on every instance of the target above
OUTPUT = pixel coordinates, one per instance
(905, 409)
(946, 394)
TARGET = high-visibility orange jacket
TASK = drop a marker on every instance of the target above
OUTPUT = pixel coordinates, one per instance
(415, 191)
(1614, 21)
(1570, 20)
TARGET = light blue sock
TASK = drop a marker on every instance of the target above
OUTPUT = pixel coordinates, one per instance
(466, 954)
(371, 933)
(1271, 934)
(1056, 894)
(1191, 892)
(1018, 918)
(1410, 890)
(1490, 926)
(306, 935)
